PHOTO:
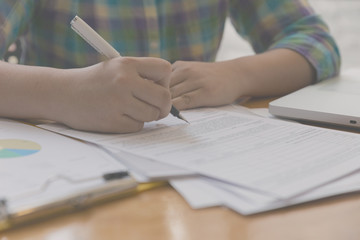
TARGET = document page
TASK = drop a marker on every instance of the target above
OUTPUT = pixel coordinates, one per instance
(277, 158)
(35, 162)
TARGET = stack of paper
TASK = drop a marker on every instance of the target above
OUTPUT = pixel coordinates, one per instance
(231, 157)
(39, 168)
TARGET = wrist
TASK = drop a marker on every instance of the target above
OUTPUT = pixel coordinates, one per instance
(50, 93)
(29, 92)
(59, 95)
(273, 73)
(240, 72)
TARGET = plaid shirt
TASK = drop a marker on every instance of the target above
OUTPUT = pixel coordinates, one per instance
(189, 30)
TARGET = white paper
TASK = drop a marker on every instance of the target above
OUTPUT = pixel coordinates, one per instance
(197, 192)
(62, 164)
(276, 157)
(148, 169)
(145, 168)
(202, 192)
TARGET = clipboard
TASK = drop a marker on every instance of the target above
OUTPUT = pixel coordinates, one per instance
(116, 185)
(43, 174)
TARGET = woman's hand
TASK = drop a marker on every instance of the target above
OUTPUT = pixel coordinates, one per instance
(273, 73)
(201, 84)
(118, 95)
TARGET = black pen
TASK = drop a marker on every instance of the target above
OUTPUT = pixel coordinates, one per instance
(177, 114)
(103, 47)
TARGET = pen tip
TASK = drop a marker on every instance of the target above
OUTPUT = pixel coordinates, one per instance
(181, 117)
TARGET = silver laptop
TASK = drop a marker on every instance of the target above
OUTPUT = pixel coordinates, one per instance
(334, 101)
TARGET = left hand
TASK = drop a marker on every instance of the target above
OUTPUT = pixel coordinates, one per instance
(202, 84)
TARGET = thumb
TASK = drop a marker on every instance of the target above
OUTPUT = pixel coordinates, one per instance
(156, 69)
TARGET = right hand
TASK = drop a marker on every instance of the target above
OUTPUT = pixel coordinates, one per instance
(116, 96)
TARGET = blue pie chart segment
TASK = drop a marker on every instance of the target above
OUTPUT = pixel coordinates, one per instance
(12, 148)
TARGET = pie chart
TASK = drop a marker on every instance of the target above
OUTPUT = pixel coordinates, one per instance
(12, 148)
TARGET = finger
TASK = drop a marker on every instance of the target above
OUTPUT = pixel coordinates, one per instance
(177, 76)
(183, 88)
(189, 100)
(153, 94)
(155, 69)
(126, 125)
(120, 124)
(141, 111)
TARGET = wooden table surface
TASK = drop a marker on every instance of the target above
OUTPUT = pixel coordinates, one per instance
(161, 213)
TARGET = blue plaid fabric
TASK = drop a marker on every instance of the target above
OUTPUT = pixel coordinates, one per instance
(171, 29)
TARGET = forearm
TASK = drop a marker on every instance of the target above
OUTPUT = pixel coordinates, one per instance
(30, 92)
(273, 73)
(110, 96)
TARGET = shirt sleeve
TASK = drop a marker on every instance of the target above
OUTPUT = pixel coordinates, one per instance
(14, 19)
(290, 24)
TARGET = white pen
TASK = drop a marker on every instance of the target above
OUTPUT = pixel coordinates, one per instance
(103, 47)
(93, 38)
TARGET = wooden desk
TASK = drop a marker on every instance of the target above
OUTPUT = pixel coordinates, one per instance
(161, 213)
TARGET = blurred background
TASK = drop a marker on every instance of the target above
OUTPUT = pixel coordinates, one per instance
(342, 17)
